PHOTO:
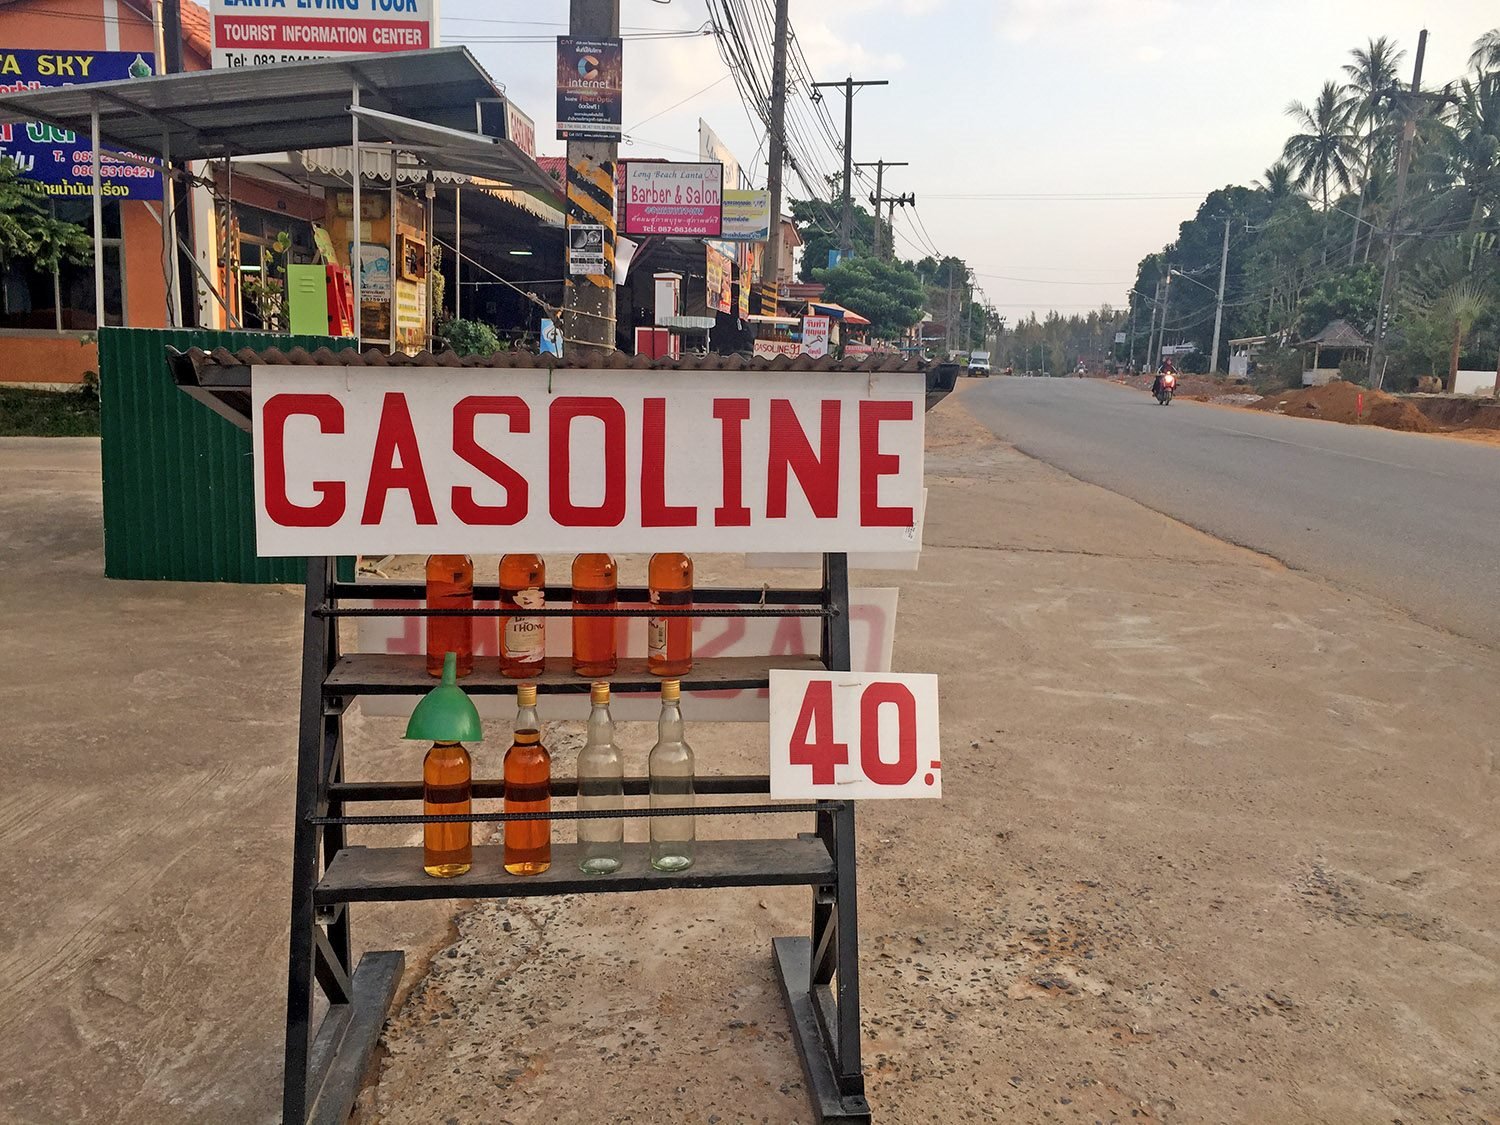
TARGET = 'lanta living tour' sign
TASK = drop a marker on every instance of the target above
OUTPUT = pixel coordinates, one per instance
(261, 32)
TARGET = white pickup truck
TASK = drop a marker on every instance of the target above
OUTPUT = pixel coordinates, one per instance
(979, 363)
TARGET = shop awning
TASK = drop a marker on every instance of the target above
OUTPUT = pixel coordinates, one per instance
(838, 312)
(429, 100)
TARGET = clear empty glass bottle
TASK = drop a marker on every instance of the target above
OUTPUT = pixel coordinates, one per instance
(670, 639)
(528, 789)
(601, 788)
(671, 781)
(450, 585)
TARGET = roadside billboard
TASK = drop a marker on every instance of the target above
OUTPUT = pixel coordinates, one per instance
(747, 216)
(672, 199)
(719, 282)
(589, 84)
(58, 159)
(262, 32)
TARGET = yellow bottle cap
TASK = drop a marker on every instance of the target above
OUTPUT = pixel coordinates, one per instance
(671, 690)
(526, 695)
(599, 692)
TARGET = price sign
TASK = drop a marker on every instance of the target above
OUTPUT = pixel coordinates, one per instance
(848, 735)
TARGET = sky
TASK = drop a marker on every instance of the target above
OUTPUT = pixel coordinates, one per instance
(1092, 127)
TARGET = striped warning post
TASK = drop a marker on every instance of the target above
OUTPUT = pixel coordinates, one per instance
(591, 199)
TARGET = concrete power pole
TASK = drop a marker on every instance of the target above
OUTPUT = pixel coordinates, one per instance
(846, 222)
(1213, 363)
(1403, 163)
(1151, 332)
(589, 299)
(776, 157)
(879, 197)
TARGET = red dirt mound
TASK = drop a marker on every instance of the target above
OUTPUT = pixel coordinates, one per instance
(1339, 402)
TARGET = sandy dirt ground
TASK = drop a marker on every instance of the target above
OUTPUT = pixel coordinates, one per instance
(1217, 844)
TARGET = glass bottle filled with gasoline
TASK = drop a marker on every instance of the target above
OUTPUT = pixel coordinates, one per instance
(595, 586)
(450, 585)
(670, 638)
(523, 639)
(528, 789)
(447, 717)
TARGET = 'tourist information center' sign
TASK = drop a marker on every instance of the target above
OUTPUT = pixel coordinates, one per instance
(260, 32)
(381, 461)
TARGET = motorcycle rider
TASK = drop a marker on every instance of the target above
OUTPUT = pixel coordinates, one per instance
(1166, 368)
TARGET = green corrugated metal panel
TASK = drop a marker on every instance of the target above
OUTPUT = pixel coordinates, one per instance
(179, 494)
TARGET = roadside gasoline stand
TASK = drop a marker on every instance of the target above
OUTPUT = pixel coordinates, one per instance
(752, 485)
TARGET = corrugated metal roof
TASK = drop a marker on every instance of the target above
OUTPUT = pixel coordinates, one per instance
(220, 379)
(250, 111)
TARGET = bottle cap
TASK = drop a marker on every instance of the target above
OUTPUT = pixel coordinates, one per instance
(526, 695)
(599, 692)
(671, 690)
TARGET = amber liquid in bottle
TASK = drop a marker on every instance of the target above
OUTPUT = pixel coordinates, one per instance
(450, 585)
(528, 789)
(523, 639)
(447, 787)
(670, 639)
(594, 587)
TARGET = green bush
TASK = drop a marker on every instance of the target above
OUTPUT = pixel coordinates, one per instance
(469, 337)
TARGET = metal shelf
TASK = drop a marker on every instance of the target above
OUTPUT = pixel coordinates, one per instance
(381, 673)
(360, 874)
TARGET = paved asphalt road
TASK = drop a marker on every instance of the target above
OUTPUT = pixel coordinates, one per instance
(1412, 519)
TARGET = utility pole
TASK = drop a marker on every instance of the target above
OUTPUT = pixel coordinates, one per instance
(777, 157)
(589, 299)
(1161, 333)
(846, 222)
(1403, 164)
(879, 197)
(1151, 332)
(1213, 363)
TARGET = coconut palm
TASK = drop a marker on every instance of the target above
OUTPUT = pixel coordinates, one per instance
(1473, 145)
(1486, 56)
(1324, 154)
(1372, 82)
(1457, 308)
(1276, 181)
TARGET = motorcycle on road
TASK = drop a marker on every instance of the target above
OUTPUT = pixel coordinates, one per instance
(1164, 388)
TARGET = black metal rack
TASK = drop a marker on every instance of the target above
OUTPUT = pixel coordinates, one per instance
(819, 974)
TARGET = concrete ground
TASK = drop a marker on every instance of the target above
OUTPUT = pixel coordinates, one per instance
(1217, 844)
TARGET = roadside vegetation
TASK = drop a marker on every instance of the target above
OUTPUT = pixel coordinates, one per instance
(32, 413)
(1311, 241)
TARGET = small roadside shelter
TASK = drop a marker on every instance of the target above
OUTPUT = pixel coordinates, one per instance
(1338, 341)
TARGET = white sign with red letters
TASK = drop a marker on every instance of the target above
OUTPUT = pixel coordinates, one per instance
(872, 632)
(847, 735)
(415, 460)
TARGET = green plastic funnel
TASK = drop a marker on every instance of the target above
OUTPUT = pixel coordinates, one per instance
(446, 714)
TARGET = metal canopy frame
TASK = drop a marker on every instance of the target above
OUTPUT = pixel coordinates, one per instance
(426, 102)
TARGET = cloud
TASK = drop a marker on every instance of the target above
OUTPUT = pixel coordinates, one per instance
(1023, 20)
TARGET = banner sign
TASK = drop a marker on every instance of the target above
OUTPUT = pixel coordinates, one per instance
(572, 460)
(520, 130)
(589, 82)
(58, 159)
(849, 735)
(872, 630)
(675, 200)
(261, 32)
(747, 216)
(719, 283)
(815, 332)
(770, 349)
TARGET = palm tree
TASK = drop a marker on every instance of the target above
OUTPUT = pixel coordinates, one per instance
(1276, 181)
(1458, 307)
(1325, 152)
(1486, 56)
(1473, 144)
(1372, 81)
